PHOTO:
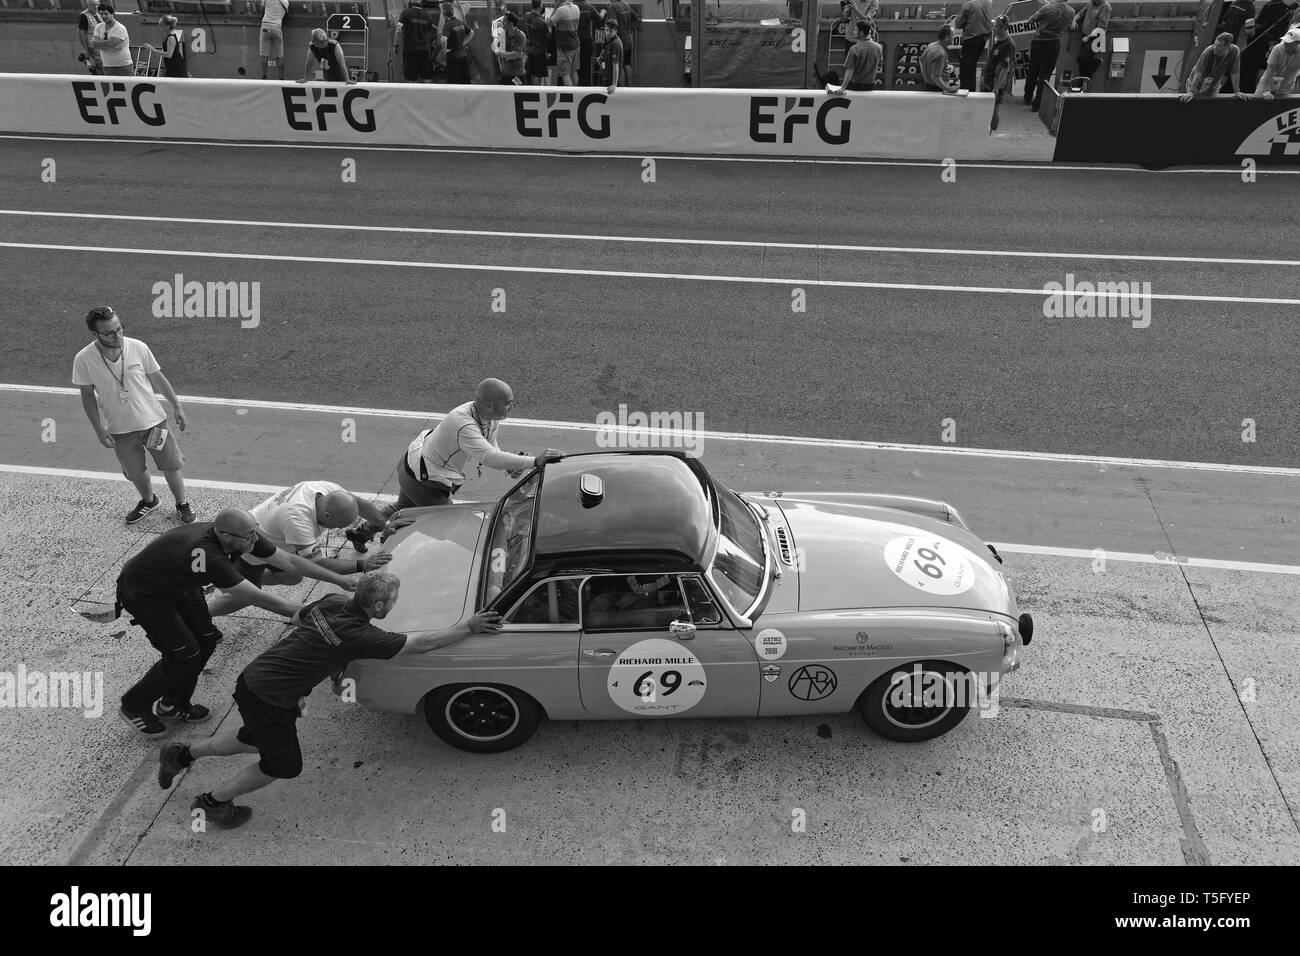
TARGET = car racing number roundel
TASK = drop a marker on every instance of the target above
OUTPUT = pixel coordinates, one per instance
(930, 563)
(656, 677)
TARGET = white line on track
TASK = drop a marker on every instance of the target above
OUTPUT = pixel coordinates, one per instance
(742, 437)
(1037, 549)
(659, 157)
(652, 240)
(619, 274)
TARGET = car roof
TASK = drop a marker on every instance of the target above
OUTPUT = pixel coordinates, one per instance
(656, 511)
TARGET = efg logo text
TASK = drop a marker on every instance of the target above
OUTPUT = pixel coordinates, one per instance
(75, 909)
(326, 100)
(107, 103)
(765, 121)
(535, 119)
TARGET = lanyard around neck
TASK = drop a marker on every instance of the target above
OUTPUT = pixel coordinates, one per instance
(121, 381)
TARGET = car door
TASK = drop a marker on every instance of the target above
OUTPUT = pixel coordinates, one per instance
(657, 645)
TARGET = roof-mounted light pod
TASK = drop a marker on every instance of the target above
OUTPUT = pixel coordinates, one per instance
(591, 490)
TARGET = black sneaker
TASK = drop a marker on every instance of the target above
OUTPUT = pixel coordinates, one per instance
(184, 513)
(141, 509)
(360, 537)
(143, 723)
(170, 763)
(225, 815)
(189, 713)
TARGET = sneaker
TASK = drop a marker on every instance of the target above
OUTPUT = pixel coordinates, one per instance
(189, 713)
(185, 513)
(141, 509)
(360, 537)
(225, 815)
(143, 723)
(170, 763)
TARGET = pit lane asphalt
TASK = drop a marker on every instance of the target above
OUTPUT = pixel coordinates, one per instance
(879, 364)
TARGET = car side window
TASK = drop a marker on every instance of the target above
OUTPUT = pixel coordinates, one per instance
(632, 602)
(551, 602)
(704, 610)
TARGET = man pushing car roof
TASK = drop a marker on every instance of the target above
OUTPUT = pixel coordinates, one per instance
(435, 464)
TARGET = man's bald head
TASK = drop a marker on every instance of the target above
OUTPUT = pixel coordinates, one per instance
(236, 530)
(493, 399)
(338, 509)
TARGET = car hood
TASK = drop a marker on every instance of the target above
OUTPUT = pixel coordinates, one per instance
(434, 557)
(859, 556)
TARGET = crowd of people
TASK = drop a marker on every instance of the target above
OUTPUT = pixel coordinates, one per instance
(241, 555)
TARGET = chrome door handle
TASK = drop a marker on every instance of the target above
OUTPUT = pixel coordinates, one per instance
(600, 652)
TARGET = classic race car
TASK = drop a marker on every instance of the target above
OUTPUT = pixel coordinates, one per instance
(634, 585)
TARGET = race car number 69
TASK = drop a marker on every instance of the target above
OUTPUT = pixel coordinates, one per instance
(930, 563)
(656, 676)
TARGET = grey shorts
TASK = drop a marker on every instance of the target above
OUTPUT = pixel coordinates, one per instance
(129, 448)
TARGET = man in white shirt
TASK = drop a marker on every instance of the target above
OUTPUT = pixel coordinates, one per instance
(433, 466)
(270, 42)
(1282, 68)
(117, 377)
(294, 520)
(112, 43)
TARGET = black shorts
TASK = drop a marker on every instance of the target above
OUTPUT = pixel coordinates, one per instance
(272, 730)
(416, 65)
(537, 65)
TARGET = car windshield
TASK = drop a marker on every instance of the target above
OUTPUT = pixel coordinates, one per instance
(511, 537)
(738, 565)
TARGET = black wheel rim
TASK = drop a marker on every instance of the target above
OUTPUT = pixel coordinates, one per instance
(919, 717)
(482, 713)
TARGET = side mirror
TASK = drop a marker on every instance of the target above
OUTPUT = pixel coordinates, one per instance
(682, 630)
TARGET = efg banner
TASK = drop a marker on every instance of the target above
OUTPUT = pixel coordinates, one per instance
(1157, 131)
(882, 124)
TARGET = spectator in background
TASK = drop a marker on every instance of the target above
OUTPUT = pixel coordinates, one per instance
(1000, 68)
(1218, 63)
(975, 24)
(112, 43)
(415, 33)
(87, 20)
(568, 48)
(934, 64)
(863, 62)
(1090, 21)
(1280, 69)
(1235, 17)
(510, 61)
(538, 34)
(173, 51)
(456, 37)
(119, 379)
(628, 21)
(1266, 31)
(270, 39)
(611, 57)
(1052, 22)
(327, 53)
(587, 20)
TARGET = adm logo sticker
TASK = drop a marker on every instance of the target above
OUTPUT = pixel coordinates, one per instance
(1279, 136)
(813, 682)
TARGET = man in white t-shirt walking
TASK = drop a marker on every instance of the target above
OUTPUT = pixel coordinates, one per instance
(270, 42)
(433, 466)
(117, 377)
(112, 43)
(294, 520)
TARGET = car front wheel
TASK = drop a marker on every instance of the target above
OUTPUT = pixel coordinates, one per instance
(482, 718)
(918, 701)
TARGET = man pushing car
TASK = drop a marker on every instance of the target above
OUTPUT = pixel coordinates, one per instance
(272, 690)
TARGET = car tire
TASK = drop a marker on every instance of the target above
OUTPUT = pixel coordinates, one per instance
(482, 718)
(878, 704)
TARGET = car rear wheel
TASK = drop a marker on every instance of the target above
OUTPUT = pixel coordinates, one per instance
(917, 701)
(482, 718)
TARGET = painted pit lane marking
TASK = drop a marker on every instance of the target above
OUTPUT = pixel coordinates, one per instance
(1036, 292)
(804, 441)
(654, 240)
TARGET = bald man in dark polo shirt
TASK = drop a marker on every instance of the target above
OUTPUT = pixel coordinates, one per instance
(271, 692)
(162, 589)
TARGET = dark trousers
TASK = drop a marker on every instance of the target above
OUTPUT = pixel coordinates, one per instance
(414, 493)
(1042, 61)
(859, 87)
(181, 630)
(584, 66)
(458, 70)
(970, 56)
